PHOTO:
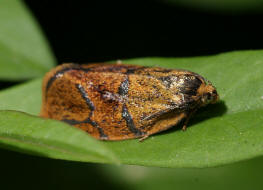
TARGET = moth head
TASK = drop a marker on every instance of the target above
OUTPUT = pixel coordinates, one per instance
(209, 94)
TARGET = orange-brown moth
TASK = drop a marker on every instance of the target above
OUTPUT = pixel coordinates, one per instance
(117, 101)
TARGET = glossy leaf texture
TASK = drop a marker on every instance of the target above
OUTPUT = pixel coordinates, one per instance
(218, 134)
(24, 52)
(49, 138)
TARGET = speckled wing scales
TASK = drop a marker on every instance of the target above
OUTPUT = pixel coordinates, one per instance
(116, 101)
(149, 101)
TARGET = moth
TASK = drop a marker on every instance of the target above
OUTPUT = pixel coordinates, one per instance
(119, 101)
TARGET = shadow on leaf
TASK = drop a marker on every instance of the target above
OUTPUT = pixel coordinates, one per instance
(207, 112)
(202, 114)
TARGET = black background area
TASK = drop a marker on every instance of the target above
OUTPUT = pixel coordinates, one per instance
(94, 31)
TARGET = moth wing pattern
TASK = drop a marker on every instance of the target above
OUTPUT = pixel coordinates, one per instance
(153, 106)
(117, 101)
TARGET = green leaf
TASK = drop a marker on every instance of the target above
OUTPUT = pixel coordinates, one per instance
(49, 138)
(25, 97)
(227, 132)
(24, 52)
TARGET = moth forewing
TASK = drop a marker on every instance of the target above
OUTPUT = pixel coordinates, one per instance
(118, 102)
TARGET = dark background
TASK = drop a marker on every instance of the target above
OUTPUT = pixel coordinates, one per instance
(103, 30)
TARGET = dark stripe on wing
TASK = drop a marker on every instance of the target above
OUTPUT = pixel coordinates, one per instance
(63, 71)
(129, 121)
(124, 87)
(132, 70)
(85, 97)
(190, 85)
(89, 121)
(92, 108)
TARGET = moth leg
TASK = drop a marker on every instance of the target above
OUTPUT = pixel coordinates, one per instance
(185, 124)
(191, 113)
(143, 138)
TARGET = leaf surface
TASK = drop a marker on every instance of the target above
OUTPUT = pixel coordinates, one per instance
(49, 138)
(226, 132)
(24, 52)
